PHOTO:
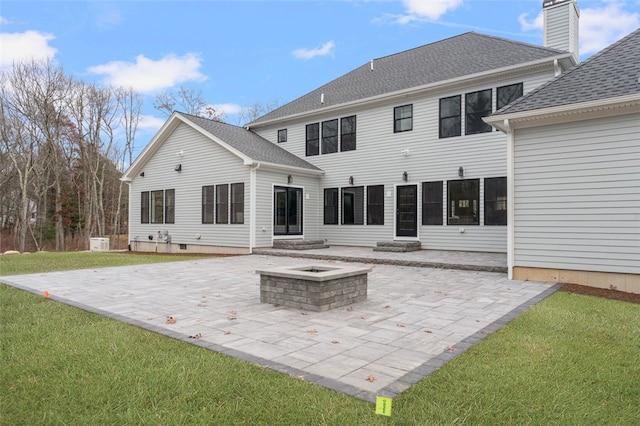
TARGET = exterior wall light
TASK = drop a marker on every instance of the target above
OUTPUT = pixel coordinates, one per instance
(461, 172)
(405, 176)
(350, 180)
(289, 179)
(178, 168)
(141, 174)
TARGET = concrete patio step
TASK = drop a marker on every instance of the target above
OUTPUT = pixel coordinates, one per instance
(299, 244)
(398, 246)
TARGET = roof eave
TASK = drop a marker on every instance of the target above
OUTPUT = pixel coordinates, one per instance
(564, 58)
(620, 105)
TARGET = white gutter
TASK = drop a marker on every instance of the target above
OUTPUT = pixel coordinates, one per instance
(412, 91)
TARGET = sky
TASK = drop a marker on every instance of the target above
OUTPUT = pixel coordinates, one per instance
(239, 53)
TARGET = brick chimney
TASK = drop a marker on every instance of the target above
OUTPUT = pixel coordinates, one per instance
(561, 19)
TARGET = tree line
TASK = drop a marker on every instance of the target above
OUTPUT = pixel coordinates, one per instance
(63, 146)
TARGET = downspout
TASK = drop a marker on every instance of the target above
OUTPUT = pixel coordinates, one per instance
(510, 198)
(252, 206)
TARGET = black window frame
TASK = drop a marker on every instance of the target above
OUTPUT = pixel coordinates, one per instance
(375, 205)
(222, 204)
(157, 210)
(457, 203)
(448, 114)
(352, 214)
(495, 201)
(282, 135)
(507, 94)
(399, 119)
(331, 206)
(236, 195)
(432, 208)
(145, 210)
(208, 204)
(169, 206)
(312, 139)
(348, 133)
(476, 106)
(330, 136)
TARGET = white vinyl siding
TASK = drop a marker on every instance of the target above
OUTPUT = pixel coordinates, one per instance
(203, 163)
(380, 160)
(577, 196)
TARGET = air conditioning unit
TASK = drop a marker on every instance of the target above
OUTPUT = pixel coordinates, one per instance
(164, 236)
(99, 244)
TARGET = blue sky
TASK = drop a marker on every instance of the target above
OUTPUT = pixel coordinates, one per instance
(242, 52)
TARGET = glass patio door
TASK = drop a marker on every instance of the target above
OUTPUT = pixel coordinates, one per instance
(287, 211)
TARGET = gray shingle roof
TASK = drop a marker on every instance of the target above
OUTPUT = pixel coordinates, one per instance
(466, 54)
(248, 143)
(610, 73)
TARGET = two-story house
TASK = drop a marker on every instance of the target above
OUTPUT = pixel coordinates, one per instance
(396, 149)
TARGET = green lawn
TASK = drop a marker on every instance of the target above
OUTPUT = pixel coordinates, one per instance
(571, 359)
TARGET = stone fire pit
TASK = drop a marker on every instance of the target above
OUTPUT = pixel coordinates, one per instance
(313, 287)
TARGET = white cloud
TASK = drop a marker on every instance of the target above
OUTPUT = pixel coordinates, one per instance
(600, 25)
(228, 108)
(146, 75)
(150, 124)
(4, 21)
(25, 46)
(324, 50)
(420, 9)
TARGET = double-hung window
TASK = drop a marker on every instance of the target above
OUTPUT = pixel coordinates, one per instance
(144, 207)
(169, 206)
(331, 206)
(375, 205)
(313, 139)
(222, 203)
(432, 203)
(353, 206)
(477, 105)
(282, 135)
(157, 206)
(403, 118)
(208, 205)
(330, 136)
(463, 201)
(237, 203)
(348, 133)
(495, 201)
(450, 118)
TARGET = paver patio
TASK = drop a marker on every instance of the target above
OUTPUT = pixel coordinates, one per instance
(414, 320)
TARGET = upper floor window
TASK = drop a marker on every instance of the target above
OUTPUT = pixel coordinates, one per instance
(507, 94)
(313, 139)
(463, 200)
(348, 133)
(432, 203)
(495, 201)
(450, 118)
(331, 206)
(403, 118)
(477, 105)
(282, 135)
(375, 205)
(330, 136)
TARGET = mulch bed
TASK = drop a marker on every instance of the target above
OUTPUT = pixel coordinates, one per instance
(601, 292)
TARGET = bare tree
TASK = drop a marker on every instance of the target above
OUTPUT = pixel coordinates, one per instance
(255, 111)
(186, 100)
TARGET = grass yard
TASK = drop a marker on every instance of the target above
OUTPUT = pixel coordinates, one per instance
(571, 359)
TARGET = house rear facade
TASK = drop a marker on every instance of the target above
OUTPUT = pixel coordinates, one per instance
(395, 150)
